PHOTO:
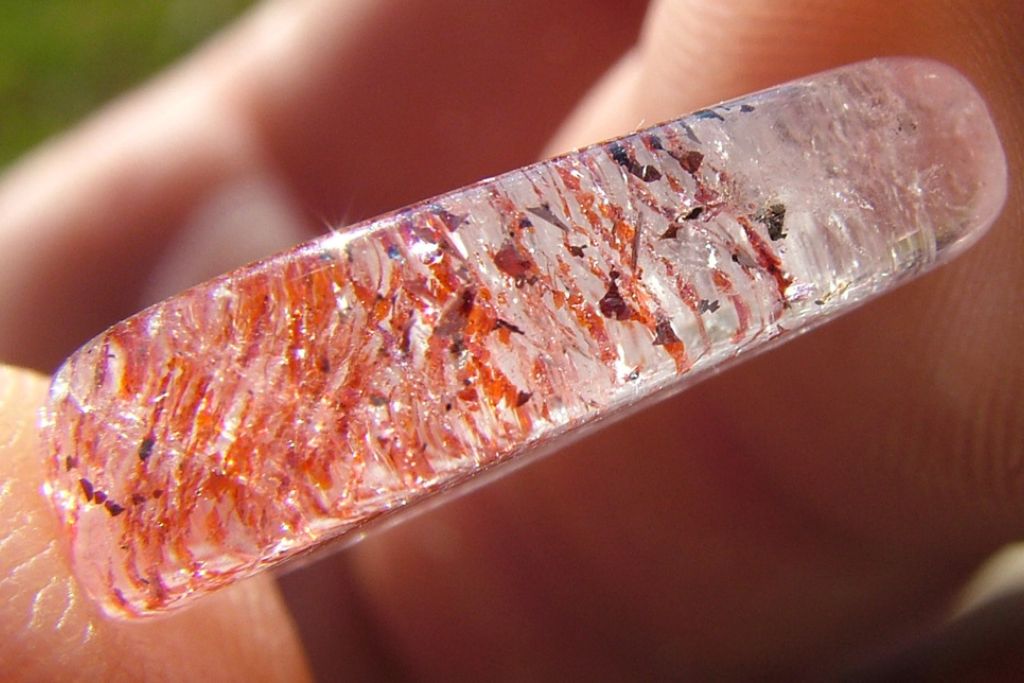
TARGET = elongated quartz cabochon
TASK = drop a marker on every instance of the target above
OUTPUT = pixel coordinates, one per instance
(289, 402)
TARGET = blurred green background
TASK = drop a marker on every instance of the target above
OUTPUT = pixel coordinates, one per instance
(60, 59)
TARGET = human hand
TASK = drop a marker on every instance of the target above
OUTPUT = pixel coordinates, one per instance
(702, 536)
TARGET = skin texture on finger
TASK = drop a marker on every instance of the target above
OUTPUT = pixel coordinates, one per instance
(49, 630)
(343, 109)
(794, 513)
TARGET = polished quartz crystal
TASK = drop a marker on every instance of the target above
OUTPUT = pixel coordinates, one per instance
(292, 401)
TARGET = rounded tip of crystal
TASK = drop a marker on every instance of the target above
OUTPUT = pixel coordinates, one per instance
(964, 170)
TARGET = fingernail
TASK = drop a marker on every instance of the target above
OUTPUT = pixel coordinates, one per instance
(295, 400)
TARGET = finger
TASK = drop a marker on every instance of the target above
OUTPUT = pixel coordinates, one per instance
(424, 96)
(308, 114)
(794, 513)
(50, 631)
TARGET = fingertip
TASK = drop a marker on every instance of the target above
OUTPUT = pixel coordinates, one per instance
(49, 630)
